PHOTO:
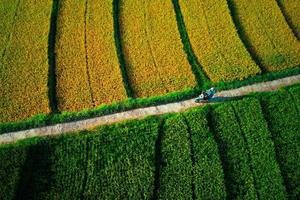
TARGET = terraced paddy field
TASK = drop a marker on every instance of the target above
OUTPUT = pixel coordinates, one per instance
(73, 56)
(243, 149)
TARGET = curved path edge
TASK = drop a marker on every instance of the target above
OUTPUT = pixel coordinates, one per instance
(142, 112)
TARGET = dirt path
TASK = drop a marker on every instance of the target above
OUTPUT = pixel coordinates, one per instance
(143, 112)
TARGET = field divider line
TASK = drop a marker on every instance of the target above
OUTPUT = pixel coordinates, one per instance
(140, 113)
(52, 82)
(242, 35)
(197, 68)
(119, 48)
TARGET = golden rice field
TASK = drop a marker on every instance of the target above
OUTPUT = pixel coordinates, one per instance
(269, 35)
(291, 9)
(73, 87)
(215, 40)
(23, 62)
(69, 56)
(156, 62)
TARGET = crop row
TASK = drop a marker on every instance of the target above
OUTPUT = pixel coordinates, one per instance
(175, 181)
(121, 162)
(215, 40)
(24, 63)
(234, 154)
(155, 60)
(291, 9)
(73, 88)
(207, 170)
(227, 151)
(88, 71)
(283, 119)
(265, 169)
(268, 34)
(7, 17)
(102, 60)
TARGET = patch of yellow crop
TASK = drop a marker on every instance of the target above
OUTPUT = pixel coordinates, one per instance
(268, 34)
(24, 65)
(105, 74)
(7, 18)
(73, 91)
(292, 10)
(215, 41)
(156, 62)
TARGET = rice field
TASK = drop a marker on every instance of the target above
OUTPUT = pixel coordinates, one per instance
(291, 9)
(242, 149)
(156, 62)
(268, 33)
(24, 59)
(76, 56)
(215, 41)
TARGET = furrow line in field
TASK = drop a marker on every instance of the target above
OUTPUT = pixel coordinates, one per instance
(158, 160)
(86, 53)
(146, 21)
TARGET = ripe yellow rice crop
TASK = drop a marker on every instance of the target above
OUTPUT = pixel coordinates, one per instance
(24, 64)
(215, 40)
(292, 10)
(156, 62)
(73, 90)
(7, 17)
(105, 74)
(268, 33)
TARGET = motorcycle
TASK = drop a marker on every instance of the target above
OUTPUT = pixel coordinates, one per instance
(205, 96)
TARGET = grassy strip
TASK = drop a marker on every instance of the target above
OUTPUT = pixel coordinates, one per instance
(122, 161)
(290, 10)
(270, 38)
(156, 62)
(43, 120)
(176, 169)
(51, 58)
(119, 48)
(201, 78)
(215, 41)
(266, 172)
(234, 154)
(283, 119)
(207, 169)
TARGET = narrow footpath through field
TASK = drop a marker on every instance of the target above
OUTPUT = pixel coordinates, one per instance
(144, 112)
